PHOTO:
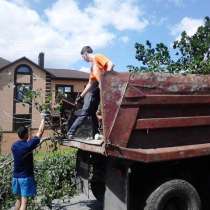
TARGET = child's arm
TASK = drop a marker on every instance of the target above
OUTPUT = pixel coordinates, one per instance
(32, 143)
(41, 129)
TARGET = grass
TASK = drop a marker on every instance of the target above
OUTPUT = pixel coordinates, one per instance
(41, 154)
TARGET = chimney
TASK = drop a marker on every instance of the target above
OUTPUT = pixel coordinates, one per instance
(41, 59)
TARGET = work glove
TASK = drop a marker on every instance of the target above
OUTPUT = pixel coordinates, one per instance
(44, 115)
(78, 99)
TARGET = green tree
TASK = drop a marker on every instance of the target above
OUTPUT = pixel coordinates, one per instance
(192, 54)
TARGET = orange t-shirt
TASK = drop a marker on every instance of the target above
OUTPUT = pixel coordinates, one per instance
(101, 62)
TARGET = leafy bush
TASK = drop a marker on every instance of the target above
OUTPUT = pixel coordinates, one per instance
(54, 175)
(6, 197)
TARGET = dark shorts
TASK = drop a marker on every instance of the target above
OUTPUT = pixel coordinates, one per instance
(24, 187)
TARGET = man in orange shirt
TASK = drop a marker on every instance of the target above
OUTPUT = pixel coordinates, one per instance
(91, 94)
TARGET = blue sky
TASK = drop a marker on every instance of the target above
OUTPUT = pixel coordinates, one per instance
(61, 27)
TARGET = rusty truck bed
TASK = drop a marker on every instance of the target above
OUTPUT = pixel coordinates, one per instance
(153, 117)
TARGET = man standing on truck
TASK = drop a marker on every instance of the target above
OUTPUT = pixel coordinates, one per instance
(23, 183)
(91, 94)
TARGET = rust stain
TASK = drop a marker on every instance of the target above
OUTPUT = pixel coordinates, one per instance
(127, 101)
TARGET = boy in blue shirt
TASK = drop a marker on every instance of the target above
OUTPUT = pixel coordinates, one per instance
(23, 183)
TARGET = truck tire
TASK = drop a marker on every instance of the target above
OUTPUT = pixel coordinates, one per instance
(98, 190)
(174, 195)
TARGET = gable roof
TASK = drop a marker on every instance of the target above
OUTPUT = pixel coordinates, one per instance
(23, 58)
(68, 74)
(55, 73)
(3, 62)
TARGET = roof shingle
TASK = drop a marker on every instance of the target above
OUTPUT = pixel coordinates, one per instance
(55, 73)
(68, 74)
(3, 62)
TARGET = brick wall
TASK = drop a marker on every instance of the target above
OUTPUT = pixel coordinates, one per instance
(8, 138)
(7, 94)
(78, 85)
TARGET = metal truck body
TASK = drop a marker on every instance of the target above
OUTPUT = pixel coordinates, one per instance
(156, 131)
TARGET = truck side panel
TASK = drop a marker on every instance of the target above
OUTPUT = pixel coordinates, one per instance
(147, 116)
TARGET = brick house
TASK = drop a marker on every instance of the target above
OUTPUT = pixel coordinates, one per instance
(23, 74)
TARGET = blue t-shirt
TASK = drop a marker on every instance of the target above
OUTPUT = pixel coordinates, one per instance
(23, 157)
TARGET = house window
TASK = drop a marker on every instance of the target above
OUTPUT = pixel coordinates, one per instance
(21, 91)
(64, 90)
(21, 120)
(23, 83)
(23, 69)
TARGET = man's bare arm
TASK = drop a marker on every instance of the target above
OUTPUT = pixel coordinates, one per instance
(41, 129)
(110, 66)
(87, 88)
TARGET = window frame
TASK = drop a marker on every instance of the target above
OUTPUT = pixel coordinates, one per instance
(27, 122)
(63, 86)
(24, 73)
(15, 101)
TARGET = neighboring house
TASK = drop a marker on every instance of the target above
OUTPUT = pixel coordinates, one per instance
(18, 76)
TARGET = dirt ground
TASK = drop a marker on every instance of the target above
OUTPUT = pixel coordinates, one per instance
(79, 202)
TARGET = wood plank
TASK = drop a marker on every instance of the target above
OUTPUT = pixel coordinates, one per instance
(153, 123)
(168, 99)
(160, 154)
(86, 146)
(86, 141)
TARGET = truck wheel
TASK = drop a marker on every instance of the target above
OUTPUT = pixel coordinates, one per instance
(174, 195)
(98, 189)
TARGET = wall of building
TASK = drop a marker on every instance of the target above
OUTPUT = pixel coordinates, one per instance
(78, 85)
(39, 85)
(6, 98)
(7, 94)
(8, 138)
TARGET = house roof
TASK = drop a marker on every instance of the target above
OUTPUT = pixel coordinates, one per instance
(55, 73)
(20, 59)
(68, 74)
(3, 62)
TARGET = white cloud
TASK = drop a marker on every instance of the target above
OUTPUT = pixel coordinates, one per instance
(26, 34)
(122, 14)
(84, 69)
(65, 28)
(187, 24)
(17, 1)
(158, 21)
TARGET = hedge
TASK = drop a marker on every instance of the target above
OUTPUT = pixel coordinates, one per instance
(54, 173)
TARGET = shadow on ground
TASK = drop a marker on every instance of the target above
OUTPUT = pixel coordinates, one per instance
(80, 202)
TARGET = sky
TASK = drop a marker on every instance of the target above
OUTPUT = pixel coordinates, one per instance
(60, 28)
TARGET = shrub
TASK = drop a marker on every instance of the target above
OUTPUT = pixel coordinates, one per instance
(6, 197)
(54, 175)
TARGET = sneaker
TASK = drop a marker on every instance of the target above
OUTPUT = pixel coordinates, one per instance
(70, 137)
(98, 136)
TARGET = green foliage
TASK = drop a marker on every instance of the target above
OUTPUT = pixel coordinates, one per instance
(55, 177)
(192, 54)
(6, 196)
(54, 174)
(34, 98)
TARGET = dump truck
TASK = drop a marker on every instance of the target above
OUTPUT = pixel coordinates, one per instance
(155, 154)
